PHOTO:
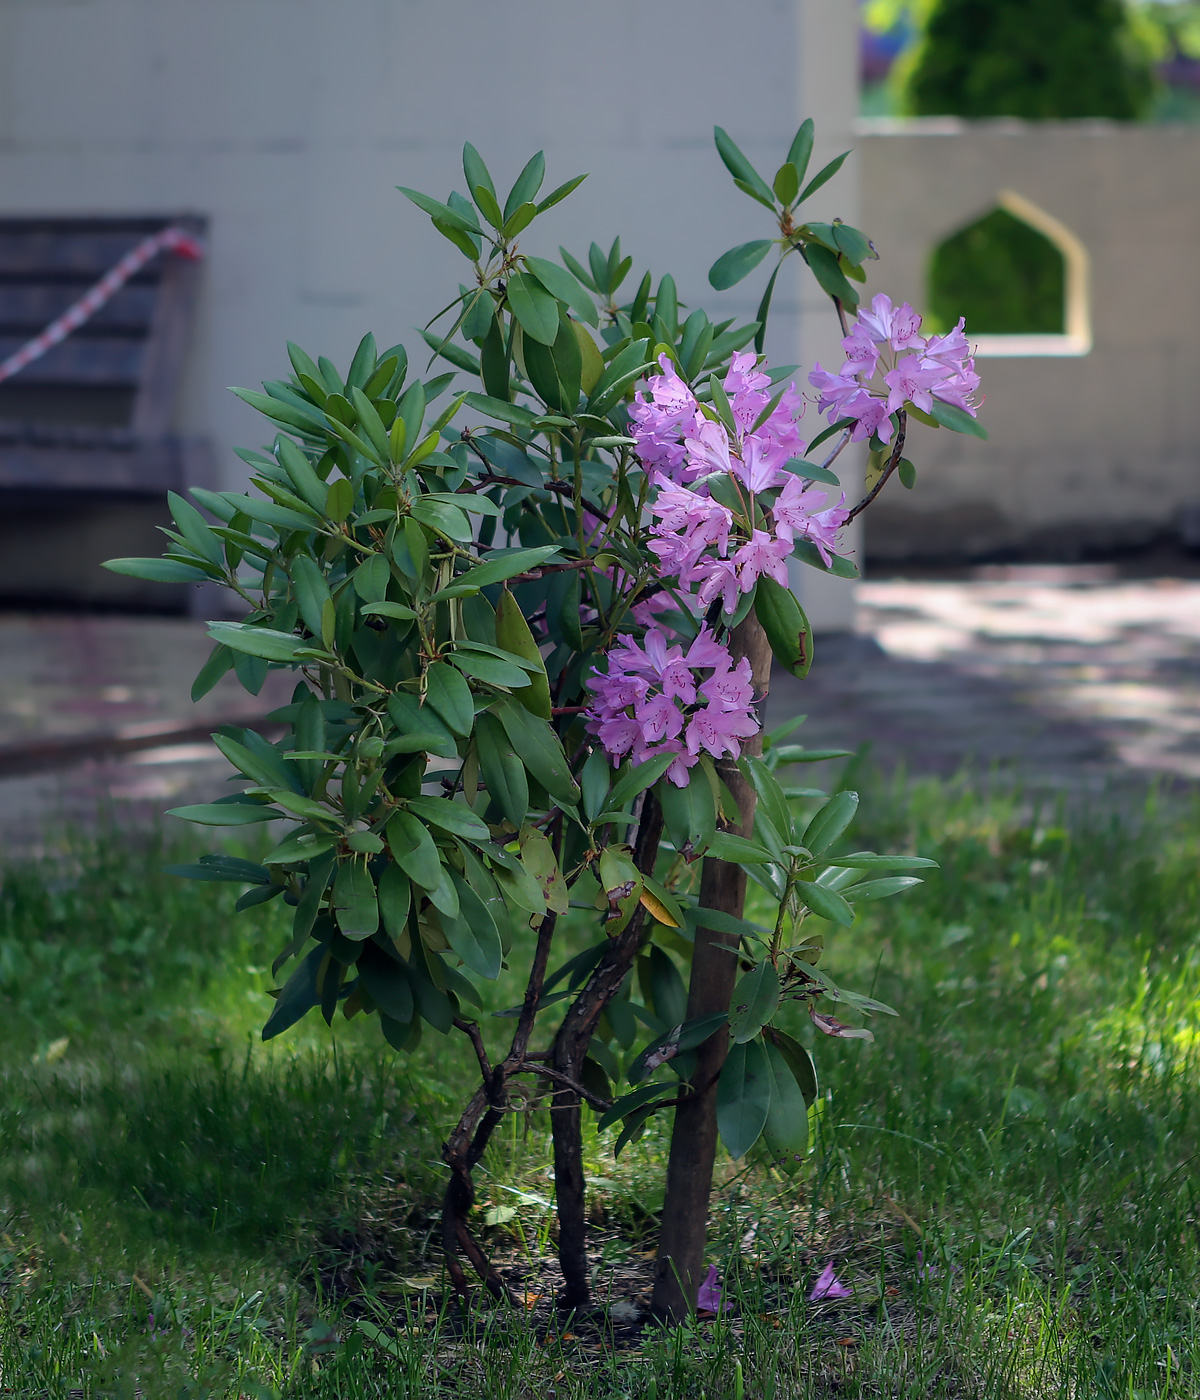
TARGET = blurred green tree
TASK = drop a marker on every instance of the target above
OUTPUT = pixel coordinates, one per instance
(1038, 59)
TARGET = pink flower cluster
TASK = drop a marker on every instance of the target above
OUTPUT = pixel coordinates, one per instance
(706, 545)
(887, 342)
(657, 698)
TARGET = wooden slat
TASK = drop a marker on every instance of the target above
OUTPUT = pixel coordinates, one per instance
(66, 246)
(83, 360)
(168, 341)
(27, 307)
(149, 469)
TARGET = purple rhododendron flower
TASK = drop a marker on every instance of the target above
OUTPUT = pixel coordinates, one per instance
(709, 1299)
(828, 1285)
(915, 369)
(668, 690)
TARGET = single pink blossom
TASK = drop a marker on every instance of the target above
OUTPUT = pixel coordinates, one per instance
(828, 1285)
(897, 326)
(709, 1299)
(762, 554)
(708, 449)
(950, 349)
(834, 389)
(911, 381)
(717, 578)
(758, 467)
(862, 352)
(717, 730)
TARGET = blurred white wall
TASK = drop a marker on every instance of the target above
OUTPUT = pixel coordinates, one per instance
(289, 122)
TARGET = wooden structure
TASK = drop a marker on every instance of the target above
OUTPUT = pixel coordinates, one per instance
(86, 448)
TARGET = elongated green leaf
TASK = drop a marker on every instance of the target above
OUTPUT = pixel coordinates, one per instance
(755, 1001)
(882, 889)
(492, 670)
(476, 171)
(258, 641)
(741, 169)
(565, 286)
(503, 772)
(354, 901)
(558, 194)
(825, 903)
(297, 997)
(442, 213)
(450, 816)
(506, 565)
(825, 174)
(785, 1133)
(868, 860)
(951, 416)
(829, 275)
(533, 306)
(450, 696)
(830, 821)
(785, 624)
(225, 813)
(527, 183)
(739, 262)
(743, 1097)
(414, 850)
(541, 751)
(473, 934)
(157, 570)
(636, 779)
(386, 981)
(737, 850)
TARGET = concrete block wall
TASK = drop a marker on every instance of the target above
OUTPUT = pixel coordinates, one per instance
(288, 123)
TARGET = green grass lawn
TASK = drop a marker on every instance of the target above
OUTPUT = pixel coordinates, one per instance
(1006, 1177)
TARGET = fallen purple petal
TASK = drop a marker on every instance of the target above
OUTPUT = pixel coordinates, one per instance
(709, 1297)
(828, 1285)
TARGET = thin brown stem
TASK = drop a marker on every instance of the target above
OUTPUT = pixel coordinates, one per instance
(892, 463)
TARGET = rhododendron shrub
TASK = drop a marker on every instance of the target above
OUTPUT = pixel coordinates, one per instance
(530, 602)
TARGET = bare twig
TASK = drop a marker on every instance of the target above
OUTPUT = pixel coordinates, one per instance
(892, 463)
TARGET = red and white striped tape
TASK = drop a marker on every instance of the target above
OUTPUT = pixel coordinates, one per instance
(178, 240)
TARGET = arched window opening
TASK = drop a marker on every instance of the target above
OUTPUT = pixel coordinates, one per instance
(1019, 277)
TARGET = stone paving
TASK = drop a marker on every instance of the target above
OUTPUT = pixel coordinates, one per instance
(1063, 677)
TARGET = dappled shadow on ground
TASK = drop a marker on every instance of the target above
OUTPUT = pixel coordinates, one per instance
(1065, 680)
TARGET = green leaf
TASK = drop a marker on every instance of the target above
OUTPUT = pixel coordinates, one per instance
(800, 151)
(809, 554)
(519, 220)
(475, 171)
(907, 473)
(868, 860)
(853, 243)
(311, 592)
(636, 779)
(829, 275)
(527, 183)
(442, 213)
(786, 183)
(413, 850)
(798, 1060)
(420, 723)
(387, 984)
(258, 641)
(628, 1103)
(218, 664)
(951, 416)
(829, 822)
(540, 750)
(755, 1001)
(739, 262)
(513, 635)
(882, 889)
(497, 408)
(533, 306)
(298, 995)
(354, 900)
(157, 570)
(737, 850)
(225, 813)
(825, 174)
(741, 169)
(492, 670)
(743, 1097)
(785, 624)
(307, 421)
(450, 696)
(825, 903)
(473, 935)
(785, 1133)
(503, 772)
(560, 192)
(454, 817)
(562, 284)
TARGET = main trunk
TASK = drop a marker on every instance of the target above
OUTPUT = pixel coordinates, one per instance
(680, 1264)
